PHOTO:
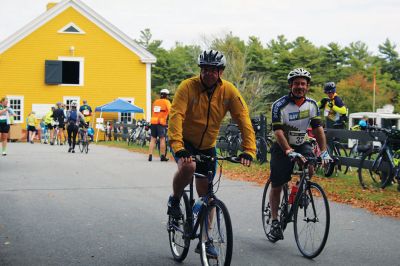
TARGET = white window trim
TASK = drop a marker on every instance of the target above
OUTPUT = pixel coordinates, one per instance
(132, 100)
(81, 68)
(74, 98)
(21, 98)
(62, 30)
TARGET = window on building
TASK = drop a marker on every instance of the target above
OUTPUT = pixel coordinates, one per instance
(126, 117)
(64, 72)
(71, 28)
(17, 104)
(69, 99)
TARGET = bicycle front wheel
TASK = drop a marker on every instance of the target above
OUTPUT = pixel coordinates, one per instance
(216, 235)
(311, 220)
(178, 239)
(81, 144)
(86, 146)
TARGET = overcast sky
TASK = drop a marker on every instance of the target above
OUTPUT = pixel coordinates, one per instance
(187, 21)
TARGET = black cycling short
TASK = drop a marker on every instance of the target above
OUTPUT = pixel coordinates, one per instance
(204, 167)
(32, 128)
(4, 128)
(282, 166)
(158, 130)
(49, 126)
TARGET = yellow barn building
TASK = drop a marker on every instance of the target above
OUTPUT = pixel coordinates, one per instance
(70, 53)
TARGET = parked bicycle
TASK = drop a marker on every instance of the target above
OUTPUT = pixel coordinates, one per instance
(83, 140)
(211, 223)
(308, 209)
(379, 167)
(140, 133)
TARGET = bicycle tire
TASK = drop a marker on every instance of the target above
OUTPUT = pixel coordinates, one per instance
(80, 142)
(222, 146)
(266, 215)
(221, 239)
(261, 152)
(178, 244)
(338, 151)
(269, 144)
(86, 147)
(373, 178)
(307, 212)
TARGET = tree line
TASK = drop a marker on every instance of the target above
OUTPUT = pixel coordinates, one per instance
(259, 71)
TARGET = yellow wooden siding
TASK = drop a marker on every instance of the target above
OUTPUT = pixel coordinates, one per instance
(110, 69)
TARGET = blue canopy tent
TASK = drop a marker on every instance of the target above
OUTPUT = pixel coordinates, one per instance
(117, 106)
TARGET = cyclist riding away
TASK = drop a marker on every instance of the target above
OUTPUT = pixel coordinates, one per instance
(161, 108)
(199, 105)
(86, 110)
(335, 112)
(291, 116)
(74, 117)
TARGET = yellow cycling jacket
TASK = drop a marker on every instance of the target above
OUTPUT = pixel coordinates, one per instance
(196, 119)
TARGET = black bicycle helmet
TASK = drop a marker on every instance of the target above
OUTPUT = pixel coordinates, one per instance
(212, 58)
(330, 87)
(298, 73)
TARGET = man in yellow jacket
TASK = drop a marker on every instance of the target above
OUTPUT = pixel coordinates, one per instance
(199, 105)
(158, 123)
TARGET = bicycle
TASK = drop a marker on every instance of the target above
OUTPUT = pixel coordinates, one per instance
(213, 221)
(56, 139)
(261, 142)
(83, 142)
(230, 144)
(382, 165)
(309, 212)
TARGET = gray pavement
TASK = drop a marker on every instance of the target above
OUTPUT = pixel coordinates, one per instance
(108, 207)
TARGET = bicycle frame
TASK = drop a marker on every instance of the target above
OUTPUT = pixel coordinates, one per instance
(303, 185)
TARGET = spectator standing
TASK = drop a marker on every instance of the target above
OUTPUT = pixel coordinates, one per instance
(363, 123)
(59, 116)
(333, 107)
(31, 126)
(86, 110)
(5, 113)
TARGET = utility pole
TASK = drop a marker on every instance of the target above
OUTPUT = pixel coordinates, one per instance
(373, 88)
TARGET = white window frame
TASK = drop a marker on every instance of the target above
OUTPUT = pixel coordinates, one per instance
(72, 98)
(63, 29)
(81, 61)
(132, 101)
(21, 98)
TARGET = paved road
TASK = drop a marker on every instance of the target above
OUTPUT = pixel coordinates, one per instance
(108, 208)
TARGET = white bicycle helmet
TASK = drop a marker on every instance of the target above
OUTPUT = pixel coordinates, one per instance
(74, 104)
(164, 91)
(298, 72)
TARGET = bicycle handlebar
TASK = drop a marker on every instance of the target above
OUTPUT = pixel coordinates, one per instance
(204, 158)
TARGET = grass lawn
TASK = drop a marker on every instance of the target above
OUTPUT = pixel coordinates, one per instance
(340, 188)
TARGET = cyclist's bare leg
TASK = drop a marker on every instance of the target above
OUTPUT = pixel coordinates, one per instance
(51, 135)
(152, 145)
(60, 134)
(274, 200)
(162, 145)
(182, 177)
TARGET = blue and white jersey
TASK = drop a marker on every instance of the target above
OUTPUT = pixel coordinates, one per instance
(294, 120)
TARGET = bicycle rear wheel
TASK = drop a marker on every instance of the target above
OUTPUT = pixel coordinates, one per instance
(261, 153)
(338, 151)
(311, 220)
(266, 214)
(177, 232)
(371, 173)
(218, 234)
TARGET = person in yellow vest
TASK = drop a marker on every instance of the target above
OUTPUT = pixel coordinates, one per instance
(32, 126)
(161, 108)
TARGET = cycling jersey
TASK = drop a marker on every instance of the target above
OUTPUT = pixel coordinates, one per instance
(335, 112)
(161, 108)
(59, 116)
(48, 117)
(196, 117)
(293, 119)
(86, 110)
